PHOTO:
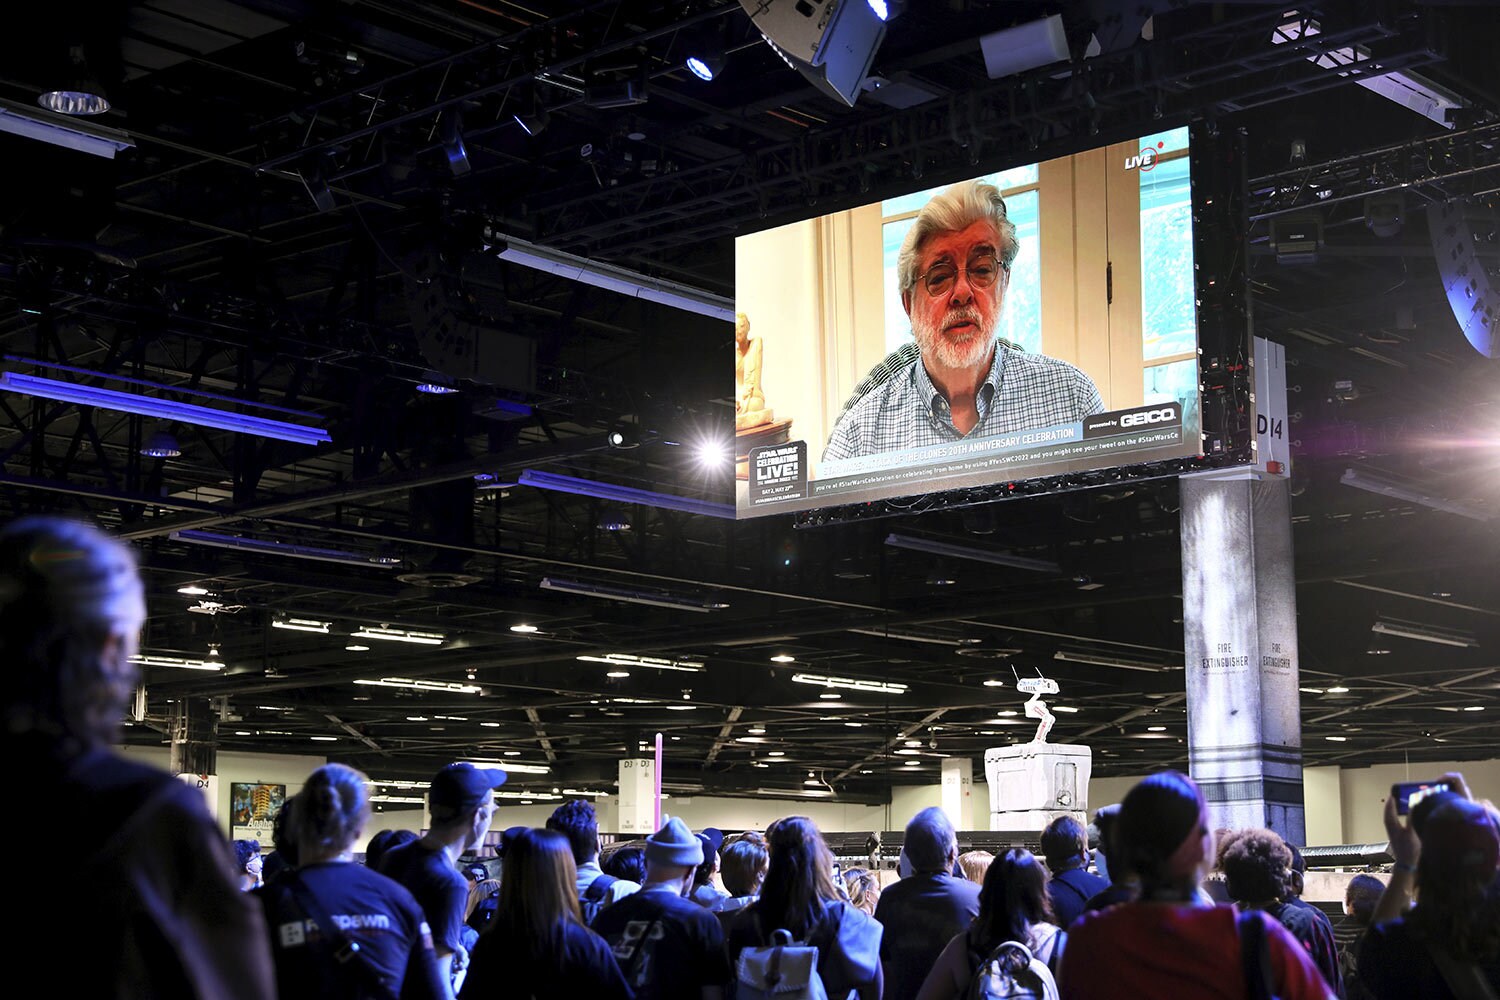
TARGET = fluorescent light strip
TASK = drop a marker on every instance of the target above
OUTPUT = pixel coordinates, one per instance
(61, 130)
(1112, 661)
(952, 551)
(399, 799)
(511, 766)
(301, 625)
(850, 683)
(240, 543)
(907, 637)
(1405, 630)
(399, 635)
(624, 494)
(420, 685)
(646, 597)
(656, 662)
(161, 409)
(616, 279)
(152, 660)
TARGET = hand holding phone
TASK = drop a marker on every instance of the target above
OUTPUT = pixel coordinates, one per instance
(1409, 793)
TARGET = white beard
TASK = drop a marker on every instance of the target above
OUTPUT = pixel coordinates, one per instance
(946, 352)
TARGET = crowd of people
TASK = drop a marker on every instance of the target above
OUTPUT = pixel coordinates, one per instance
(1165, 906)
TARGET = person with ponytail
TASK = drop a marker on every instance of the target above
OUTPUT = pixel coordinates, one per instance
(339, 930)
(799, 896)
(160, 878)
(1166, 943)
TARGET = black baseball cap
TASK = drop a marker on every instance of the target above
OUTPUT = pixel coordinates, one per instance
(458, 788)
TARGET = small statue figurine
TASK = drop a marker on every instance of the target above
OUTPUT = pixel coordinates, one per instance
(1036, 708)
(749, 400)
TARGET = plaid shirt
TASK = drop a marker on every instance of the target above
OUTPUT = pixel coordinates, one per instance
(1021, 392)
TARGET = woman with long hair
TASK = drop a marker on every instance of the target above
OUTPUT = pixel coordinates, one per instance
(1452, 935)
(799, 896)
(138, 844)
(340, 929)
(537, 945)
(1013, 906)
(1164, 943)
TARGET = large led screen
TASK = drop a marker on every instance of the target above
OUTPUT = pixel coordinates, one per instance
(922, 344)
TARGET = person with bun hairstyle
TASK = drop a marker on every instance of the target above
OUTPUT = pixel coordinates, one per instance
(160, 878)
(537, 944)
(1163, 943)
(378, 945)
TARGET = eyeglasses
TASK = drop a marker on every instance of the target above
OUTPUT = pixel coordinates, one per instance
(983, 271)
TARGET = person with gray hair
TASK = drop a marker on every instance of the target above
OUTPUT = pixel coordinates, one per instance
(964, 383)
(139, 845)
(921, 914)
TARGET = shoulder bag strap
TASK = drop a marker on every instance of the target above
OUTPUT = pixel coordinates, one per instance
(345, 950)
(1464, 978)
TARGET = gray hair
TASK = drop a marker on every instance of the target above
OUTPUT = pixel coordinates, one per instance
(953, 209)
(66, 591)
(929, 839)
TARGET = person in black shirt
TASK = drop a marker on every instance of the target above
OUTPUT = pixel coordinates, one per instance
(1065, 846)
(921, 914)
(669, 947)
(537, 945)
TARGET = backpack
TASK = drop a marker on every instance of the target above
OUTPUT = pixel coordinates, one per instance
(595, 898)
(992, 980)
(781, 970)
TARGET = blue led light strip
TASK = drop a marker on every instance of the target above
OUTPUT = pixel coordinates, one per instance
(625, 494)
(162, 409)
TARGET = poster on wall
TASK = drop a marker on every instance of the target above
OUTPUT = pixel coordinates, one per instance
(253, 807)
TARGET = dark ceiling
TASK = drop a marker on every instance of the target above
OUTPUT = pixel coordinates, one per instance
(200, 259)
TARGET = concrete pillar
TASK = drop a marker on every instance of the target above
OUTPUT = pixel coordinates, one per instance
(958, 787)
(637, 798)
(1240, 638)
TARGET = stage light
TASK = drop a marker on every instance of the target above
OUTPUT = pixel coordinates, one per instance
(714, 455)
(706, 57)
(161, 409)
(452, 139)
(832, 48)
(435, 389)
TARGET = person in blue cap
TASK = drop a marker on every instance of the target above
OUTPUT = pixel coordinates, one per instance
(461, 802)
(668, 946)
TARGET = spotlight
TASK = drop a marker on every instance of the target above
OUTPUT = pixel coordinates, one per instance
(451, 126)
(706, 57)
(713, 455)
(624, 437)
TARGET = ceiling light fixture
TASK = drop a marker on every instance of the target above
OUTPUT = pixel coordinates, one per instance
(61, 130)
(510, 766)
(850, 683)
(447, 687)
(1424, 633)
(624, 494)
(193, 590)
(994, 683)
(180, 663)
(301, 624)
(654, 662)
(1093, 659)
(399, 635)
(655, 599)
(614, 279)
(783, 658)
(952, 551)
(524, 629)
(355, 647)
(271, 546)
(162, 409)
(161, 444)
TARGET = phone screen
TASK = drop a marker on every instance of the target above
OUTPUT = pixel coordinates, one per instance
(1408, 794)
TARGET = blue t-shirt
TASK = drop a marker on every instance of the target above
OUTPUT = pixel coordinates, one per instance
(439, 888)
(668, 947)
(369, 909)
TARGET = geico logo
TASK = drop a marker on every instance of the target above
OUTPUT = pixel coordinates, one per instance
(1148, 417)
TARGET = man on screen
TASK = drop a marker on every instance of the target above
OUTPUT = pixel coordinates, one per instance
(954, 268)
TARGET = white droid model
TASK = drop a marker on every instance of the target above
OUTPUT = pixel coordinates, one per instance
(1033, 783)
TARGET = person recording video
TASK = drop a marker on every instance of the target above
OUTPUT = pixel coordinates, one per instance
(953, 270)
